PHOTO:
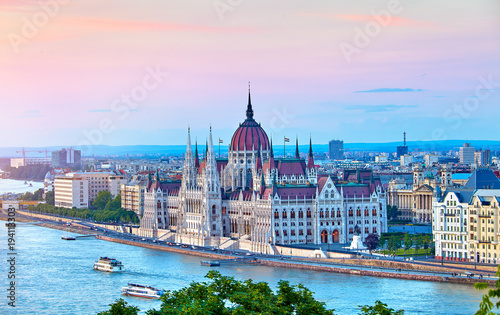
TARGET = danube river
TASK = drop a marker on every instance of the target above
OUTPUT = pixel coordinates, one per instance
(54, 276)
(18, 186)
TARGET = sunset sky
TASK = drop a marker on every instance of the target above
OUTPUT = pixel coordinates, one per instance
(361, 71)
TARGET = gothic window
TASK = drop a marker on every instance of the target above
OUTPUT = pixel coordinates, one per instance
(292, 232)
(333, 214)
(351, 212)
(308, 213)
(276, 215)
(374, 212)
(301, 214)
(326, 213)
(213, 209)
(358, 212)
(301, 232)
(367, 213)
(366, 230)
(284, 214)
(292, 214)
(338, 214)
(351, 230)
(374, 230)
(309, 232)
(277, 232)
(321, 215)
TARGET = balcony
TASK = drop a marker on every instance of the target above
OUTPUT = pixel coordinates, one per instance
(484, 215)
(484, 241)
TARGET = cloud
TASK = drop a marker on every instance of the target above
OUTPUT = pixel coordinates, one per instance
(109, 110)
(378, 108)
(392, 21)
(30, 114)
(387, 90)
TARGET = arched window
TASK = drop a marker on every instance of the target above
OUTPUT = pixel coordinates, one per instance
(308, 213)
(292, 214)
(301, 214)
(284, 214)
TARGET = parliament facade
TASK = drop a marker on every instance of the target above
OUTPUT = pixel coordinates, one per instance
(253, 200)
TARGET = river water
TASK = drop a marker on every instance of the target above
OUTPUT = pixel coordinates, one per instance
(55, 276)
(18, 186)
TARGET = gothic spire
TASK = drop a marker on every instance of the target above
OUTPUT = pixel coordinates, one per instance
(310, 161)
(196, 158)
(249, 106)
(297, 155)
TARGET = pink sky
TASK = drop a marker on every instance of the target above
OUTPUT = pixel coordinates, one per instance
(58, 86)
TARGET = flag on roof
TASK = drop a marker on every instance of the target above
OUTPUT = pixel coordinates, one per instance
(287, 139)
(220, 140)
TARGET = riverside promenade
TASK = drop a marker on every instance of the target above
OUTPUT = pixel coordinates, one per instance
(359, 267)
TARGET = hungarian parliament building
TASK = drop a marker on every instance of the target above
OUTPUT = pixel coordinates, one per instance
(253, 200)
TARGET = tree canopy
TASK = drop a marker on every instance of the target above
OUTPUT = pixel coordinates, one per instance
(372, 241)
(486, 305)
(226, 296)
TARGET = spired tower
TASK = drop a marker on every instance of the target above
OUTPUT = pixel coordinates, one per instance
(248, 145)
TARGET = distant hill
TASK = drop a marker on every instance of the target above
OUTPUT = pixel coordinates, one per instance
(160, 150)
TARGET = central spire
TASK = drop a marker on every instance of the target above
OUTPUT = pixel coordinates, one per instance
(249, 106)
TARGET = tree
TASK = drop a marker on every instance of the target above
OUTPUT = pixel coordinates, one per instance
(225, 295)
(418, 243)
(393, 212)
(102, 199)
(49, 198)
(407, 241)
(486, 304)
(372, 241)
(379, 309)
(120, 307)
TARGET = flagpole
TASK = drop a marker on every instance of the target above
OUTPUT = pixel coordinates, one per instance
(219, 148)
(284, 141)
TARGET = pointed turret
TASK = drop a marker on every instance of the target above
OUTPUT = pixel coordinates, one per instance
(150, 180)
(196, 158)
(258, 162)
(249, 106)
(271, 157)
(211, 173)
(157, 183)
(297, 155)
(310, 160)
(189, 174)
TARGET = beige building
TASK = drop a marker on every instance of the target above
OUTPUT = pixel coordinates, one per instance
(484, 226)
(71, 191)
(81, 188)
(415, 200)
(465, 220)
(133, 197)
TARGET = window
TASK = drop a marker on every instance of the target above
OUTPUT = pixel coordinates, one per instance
(309, 232)
(366, 230)
(277, 232)
(284, 215)
(301, 214)
(308, 213)
(276, 215)
(292, 214)
(367, 213)
(292, 232)
(351, 230)
(321, 215)
(301, 232)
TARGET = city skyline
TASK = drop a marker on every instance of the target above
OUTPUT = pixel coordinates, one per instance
(356, 72)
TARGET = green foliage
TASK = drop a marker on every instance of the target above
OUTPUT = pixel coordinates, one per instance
(120, 307)
(486, 304)
(31, 172)
(418, 242)
(393, 212)
(118, 215)
(379, 309)
(225, 295)
(102, 199)
(394, 244)
(372, 241)
(49, 198)
(36, 196)
(407, 241)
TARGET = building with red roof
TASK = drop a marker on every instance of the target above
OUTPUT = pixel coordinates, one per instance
(252, 200)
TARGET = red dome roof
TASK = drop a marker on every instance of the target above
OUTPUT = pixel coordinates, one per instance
(249, 135)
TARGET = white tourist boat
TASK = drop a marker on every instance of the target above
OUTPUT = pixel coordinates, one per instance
(109, 265)
(142, 291)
